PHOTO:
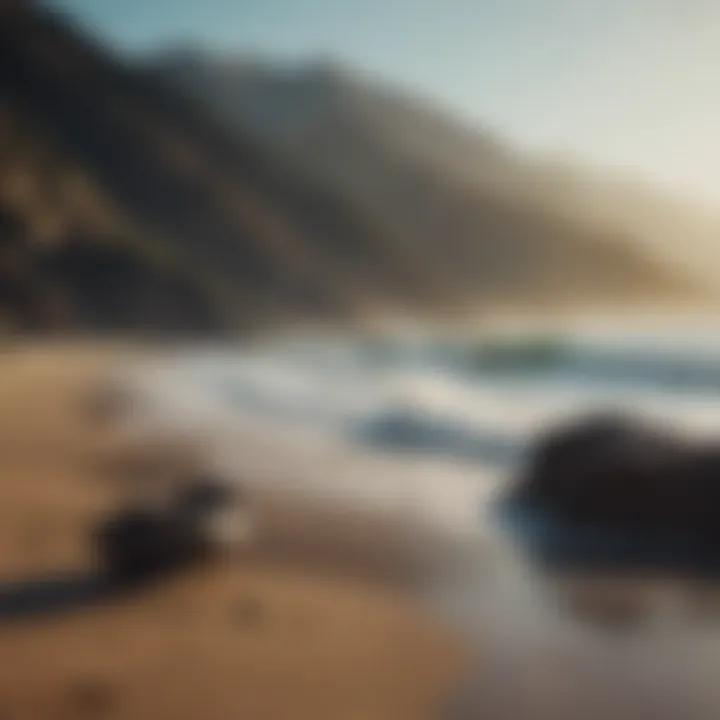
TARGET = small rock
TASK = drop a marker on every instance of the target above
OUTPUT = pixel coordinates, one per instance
(248, 612)
(94, 697)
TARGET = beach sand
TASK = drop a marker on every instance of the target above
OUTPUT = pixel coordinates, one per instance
(244, 639)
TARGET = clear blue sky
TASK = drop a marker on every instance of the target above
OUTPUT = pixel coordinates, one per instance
(630, 83)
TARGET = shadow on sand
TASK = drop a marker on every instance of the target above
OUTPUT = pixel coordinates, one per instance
(58, 593)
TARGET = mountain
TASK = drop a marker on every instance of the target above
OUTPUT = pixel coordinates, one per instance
(127, 205)
(130, 203)
(447, 186)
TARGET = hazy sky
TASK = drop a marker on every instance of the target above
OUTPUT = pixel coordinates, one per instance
(630, 83)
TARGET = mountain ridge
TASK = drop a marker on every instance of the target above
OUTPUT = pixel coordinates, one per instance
(244, 92)
(126, 204)
(405, 159)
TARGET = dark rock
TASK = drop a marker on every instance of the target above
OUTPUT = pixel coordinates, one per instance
(139, 543)
(616, 472)
(136, 544)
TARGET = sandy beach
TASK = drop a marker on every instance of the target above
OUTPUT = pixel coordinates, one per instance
(251, 638)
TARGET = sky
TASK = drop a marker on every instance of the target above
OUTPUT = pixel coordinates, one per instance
(628, 84)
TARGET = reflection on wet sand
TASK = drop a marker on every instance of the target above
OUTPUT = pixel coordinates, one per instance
(613, 606)
(629, 603)
(597, 647)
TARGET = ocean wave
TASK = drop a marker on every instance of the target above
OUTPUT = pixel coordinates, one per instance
(473, 401)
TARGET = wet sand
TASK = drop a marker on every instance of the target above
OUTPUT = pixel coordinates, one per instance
(251, 638)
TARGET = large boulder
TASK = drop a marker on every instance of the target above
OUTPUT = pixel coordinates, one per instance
(617, 472)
